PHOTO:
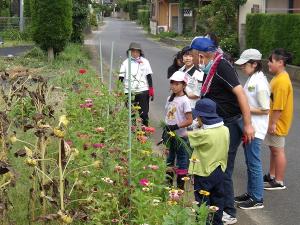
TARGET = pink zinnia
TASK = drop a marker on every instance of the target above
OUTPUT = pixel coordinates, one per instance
(69, 142)
(144, 182)
(149, 130)
(153, 167)
(98, 145)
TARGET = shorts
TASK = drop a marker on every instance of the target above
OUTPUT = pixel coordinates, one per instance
(275, 141)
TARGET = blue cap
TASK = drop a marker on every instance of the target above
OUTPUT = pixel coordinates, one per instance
(203, 44)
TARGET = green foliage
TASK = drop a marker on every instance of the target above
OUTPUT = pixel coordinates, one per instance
(268, 31)
(80, 19)
(52, 23)
(4, 8)
(220, 17)
(143, 17)
(170, 34)
(27, 12)
(230, 45)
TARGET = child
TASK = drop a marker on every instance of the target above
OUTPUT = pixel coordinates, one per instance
(195, 77)
(178, 118)
(141, 80)
(281, 114)
(258, 93)
(209, 158)
(176, 65)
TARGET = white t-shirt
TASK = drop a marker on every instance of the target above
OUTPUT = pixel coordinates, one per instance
(175, 112)
(140, 68)
(194, 85)
(258, 93)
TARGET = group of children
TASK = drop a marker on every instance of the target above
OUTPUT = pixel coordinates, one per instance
(198, 119)
(271, 115)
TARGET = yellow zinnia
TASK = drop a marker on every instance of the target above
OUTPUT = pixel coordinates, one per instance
(203, 192)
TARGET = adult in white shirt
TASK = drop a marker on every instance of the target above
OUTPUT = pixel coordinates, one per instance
(141, 80)
(258, 93)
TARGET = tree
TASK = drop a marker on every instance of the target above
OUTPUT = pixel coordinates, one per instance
(80, 19)
(52, 24)
(221, 17)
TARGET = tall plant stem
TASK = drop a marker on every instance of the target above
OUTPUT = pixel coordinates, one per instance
(61, 177)
(43, 168)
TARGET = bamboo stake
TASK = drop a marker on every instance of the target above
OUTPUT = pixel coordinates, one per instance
(101, 61)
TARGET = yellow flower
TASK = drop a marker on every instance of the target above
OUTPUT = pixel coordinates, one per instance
(203, 192)
(140, 133)
(185, 178)
(63, 120)
(31, 162)
(58, 133)
(194, 160)
(136, 107)
(28, 151)
(171, 133)
(13, 138)
(75, 151)
(66, 219)
(172, 203)
(146, 152)
(97, 164)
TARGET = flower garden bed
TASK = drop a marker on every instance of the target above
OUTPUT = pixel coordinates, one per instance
(65, 156)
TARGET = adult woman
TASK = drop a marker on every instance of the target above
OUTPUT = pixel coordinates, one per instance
(141, 80)
(258, 93)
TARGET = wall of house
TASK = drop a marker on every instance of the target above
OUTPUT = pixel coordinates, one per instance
(163, 14)
(277, 6)
(243, 11)
(297, 6)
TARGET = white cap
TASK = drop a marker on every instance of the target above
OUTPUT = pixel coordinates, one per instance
(247, 55)
(179, 76)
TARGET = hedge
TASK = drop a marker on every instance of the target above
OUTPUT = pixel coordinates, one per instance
(266, 32)
(143, 17)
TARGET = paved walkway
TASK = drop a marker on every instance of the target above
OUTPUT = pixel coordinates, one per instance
(17, 50)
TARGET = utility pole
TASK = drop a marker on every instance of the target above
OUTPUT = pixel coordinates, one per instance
(21, 22)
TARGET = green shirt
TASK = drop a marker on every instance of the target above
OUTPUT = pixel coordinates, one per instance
(210, 149)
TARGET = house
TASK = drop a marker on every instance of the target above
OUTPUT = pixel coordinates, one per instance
(167, 15)
(264, 6)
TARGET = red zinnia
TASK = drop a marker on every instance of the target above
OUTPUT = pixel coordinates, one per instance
(82, 71)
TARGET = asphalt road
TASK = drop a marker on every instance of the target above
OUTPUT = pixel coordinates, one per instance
(17, 50)
(281, 207)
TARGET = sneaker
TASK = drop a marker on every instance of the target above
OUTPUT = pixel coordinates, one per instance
(241, 198)
(250, 204)
(267, 178)
(273, 185)
(228, 219)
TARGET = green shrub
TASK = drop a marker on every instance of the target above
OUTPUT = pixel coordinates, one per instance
(266, 32)
(170, 34)
(143, 17)
(79, 20)
(230, 45)
(52, 23)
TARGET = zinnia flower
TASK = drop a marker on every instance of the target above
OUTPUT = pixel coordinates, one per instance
(194, 160)
(144, 182)
(82, 71)
(213, 208)
(203, 192)
(63, 120)
(98, 145)
(114, 220)
(171, 133)
(153, 167)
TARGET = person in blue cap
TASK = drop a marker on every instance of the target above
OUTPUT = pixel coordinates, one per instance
(223, 87)
(209, 158)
